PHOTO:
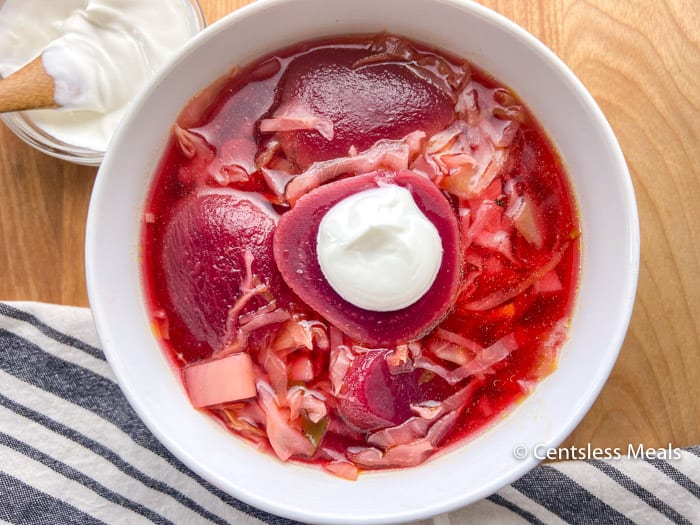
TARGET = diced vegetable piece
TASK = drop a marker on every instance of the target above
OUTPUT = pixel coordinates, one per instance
(291, 336)
(526, 217)
(549, 283)
(301, 369)
(315, 430)
(342, 469)
(448, 351)
(276, 369)
(218, 381)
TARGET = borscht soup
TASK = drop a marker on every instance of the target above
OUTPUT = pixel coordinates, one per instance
(359, 251)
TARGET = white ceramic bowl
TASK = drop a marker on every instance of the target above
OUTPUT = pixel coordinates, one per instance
(610, 258)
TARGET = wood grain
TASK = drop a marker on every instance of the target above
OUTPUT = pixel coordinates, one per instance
(640, 59)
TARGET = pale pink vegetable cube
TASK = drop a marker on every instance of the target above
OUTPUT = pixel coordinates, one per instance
(301, 369)
(343, 469)
(218, 381)
(550, 282)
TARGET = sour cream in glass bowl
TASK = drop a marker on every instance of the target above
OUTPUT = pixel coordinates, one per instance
(100, 53)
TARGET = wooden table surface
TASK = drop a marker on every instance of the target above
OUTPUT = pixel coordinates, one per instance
(640, 59)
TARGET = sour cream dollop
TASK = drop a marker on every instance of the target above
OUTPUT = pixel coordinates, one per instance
(378, 250)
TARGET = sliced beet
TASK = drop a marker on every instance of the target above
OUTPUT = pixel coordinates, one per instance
(203, 258)
(385, 100)
(373, 398)
(296, 258)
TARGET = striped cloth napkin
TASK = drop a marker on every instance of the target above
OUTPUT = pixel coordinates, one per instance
(73, 451)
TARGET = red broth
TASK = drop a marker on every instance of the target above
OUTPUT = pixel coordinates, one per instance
(240, 156)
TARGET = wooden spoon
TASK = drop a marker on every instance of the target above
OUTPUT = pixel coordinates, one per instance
(28, 88)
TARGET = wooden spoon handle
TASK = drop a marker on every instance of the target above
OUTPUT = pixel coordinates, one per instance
(28, 88)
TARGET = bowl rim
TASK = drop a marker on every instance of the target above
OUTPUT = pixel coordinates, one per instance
(99, 303)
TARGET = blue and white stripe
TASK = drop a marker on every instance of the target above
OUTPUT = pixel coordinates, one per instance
(72, 450)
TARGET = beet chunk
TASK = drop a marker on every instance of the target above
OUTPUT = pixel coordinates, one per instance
(385, 100)
(373, 398)
(295, 255)
(203, 258)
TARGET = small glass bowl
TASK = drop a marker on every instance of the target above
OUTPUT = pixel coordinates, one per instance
(22, 125)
